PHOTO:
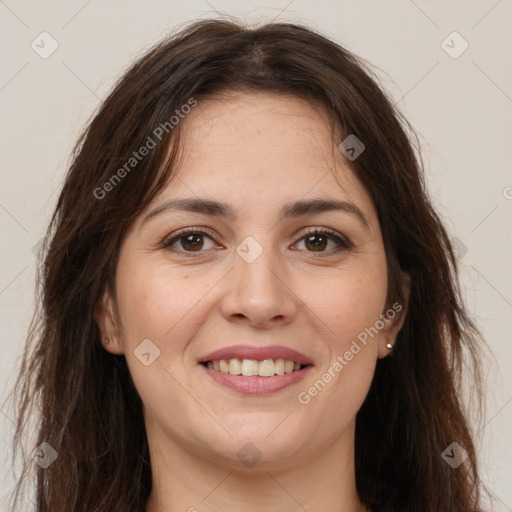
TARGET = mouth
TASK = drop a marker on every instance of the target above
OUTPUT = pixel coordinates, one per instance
(255, 368)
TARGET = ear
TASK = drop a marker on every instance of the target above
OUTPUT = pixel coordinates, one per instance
(108, 324)
(393, 319)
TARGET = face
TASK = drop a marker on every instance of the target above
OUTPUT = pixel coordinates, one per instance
(269, 270)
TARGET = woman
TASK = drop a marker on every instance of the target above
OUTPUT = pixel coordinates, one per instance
(248, 301)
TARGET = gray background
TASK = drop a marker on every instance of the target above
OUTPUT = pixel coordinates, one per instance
(460, 106)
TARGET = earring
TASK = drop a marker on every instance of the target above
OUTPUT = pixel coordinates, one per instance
(389, 346)
(107, 341)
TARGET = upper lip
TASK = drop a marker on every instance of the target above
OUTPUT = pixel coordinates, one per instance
(258, 353)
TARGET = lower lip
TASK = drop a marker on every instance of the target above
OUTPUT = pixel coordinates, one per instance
(257, 385)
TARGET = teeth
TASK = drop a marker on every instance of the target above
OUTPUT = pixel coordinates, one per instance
(266, 368)
(235, 366)
(252, 367)
(249, 367)
(288, 366)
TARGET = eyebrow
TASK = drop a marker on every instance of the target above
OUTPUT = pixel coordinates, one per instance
(290, 210)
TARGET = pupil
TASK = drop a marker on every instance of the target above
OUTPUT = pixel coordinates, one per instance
(193, 241)
(318, 245)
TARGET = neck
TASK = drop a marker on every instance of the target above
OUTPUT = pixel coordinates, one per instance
(183, 481)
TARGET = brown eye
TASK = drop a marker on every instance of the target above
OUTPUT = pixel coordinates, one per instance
(324, 241)
(192, 242)
(189, 241)
(316, 242)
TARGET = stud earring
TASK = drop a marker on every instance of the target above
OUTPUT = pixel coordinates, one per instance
(107, 341)
(389, 346)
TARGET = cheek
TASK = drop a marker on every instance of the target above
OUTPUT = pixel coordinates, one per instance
(152, 301)
(348, 302)
(155, 304)
(346, 306)
(166, 306)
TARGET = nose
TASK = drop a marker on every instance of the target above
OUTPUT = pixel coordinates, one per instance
(258, 293)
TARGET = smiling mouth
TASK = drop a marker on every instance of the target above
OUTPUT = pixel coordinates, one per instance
(254, 368)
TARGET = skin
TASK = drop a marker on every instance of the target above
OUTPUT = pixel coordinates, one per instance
(255, 152)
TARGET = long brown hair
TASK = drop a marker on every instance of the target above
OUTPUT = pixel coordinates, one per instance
(87, 407)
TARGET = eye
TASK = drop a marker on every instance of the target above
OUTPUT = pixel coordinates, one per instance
(189, 240)
(318, 239)
(193, 240)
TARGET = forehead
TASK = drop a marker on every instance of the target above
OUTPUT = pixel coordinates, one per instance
(255, 150)
(257, 131)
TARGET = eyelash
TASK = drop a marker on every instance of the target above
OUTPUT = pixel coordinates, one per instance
(343, 243)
